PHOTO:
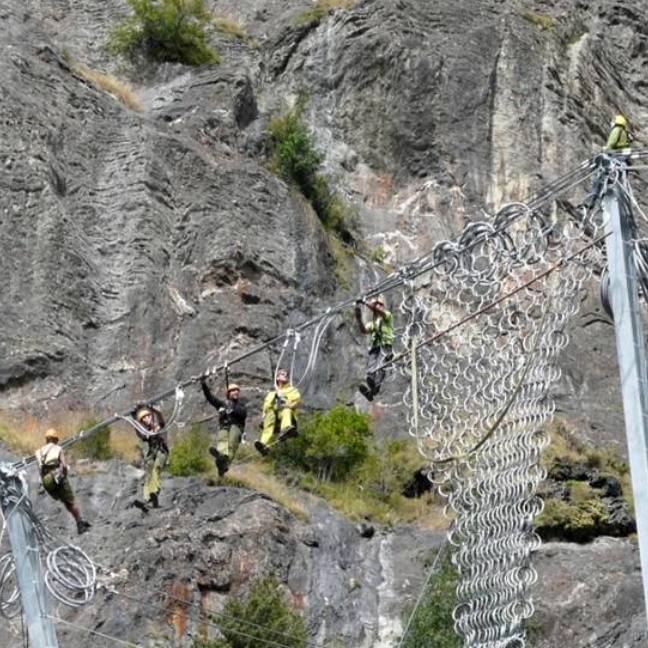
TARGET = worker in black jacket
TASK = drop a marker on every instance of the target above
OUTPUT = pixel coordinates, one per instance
(231, 424)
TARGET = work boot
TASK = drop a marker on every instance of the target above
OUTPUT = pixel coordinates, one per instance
(366, 392)
(142, 506)
(261, 448)
(222, 464)
(154, 501)
(288, 433)
(82, 526)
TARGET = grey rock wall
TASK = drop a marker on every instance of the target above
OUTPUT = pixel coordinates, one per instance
(138, 248)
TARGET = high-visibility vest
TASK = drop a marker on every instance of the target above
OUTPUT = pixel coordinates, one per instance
(382, 330)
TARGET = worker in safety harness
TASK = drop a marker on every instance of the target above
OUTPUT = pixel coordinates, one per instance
(150, 428)
(54, 477)
(619, 138)
(231, 424)
(381, 329)
(279, 418)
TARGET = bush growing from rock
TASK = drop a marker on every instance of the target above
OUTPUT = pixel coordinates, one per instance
(295, 159)
(330, 444)
(97, 445)
(257, 620)
(175, 31)
(432, 625)
(189, 454)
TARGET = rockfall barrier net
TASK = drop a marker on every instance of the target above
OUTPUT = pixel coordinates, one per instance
(484, 328)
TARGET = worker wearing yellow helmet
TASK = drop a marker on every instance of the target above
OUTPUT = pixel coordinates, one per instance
(232, 414)
(619, 137)
(618, 141)
(54, 477)
(381, 329)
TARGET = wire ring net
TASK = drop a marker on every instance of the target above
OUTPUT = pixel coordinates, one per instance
(494, 310)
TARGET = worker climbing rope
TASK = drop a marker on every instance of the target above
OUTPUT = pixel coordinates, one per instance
(150, 427)
(619, 140)
(232, 414)
(279, 413)
(53, 470)
(381, 329)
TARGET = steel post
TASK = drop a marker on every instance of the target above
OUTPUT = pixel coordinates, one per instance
(631, 355)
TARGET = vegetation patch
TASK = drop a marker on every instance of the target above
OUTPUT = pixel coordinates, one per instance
(230, 27)
(587, 492)
(430, 624)
(249, 472)
(261, 618)
(294, 158)
(189, 453)
(174, 31)
(322, 9)
(336, 457)
(25, 435)
(542, 21)
(117, 88)
(329, 446)
(97, 445)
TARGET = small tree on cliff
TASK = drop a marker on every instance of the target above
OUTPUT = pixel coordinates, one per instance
(260, 618)
(166, 30)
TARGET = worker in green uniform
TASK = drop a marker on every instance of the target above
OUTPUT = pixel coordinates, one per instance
(150, 428)
(232, 414)
(381, 330)
(54, 477)
(619, 139)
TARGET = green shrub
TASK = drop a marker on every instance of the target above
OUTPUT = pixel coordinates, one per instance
(260, 619)
(295, 159)
(330, 444)
(386, 470)
(189, 455)
(432, 625)
(166, 30)
(542, 21)
(96, 446)
(572, 521)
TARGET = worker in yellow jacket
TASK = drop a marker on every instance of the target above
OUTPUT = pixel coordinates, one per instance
(279, 408)
(619, 140)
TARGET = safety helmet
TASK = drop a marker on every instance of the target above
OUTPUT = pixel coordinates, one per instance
(233, 387)
(51, 434)
(620, 120)
(141, 413)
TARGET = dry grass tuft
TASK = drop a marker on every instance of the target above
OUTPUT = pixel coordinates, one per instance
(119, 89)
(256, 475)
(322, 8)
(25, 435)
(231, 27)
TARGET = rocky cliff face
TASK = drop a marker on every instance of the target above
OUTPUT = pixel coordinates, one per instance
(139, 247)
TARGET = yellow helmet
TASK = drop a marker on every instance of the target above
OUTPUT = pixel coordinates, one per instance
(141, 413)
(620, 120)
(51, 434)
(233, 387)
